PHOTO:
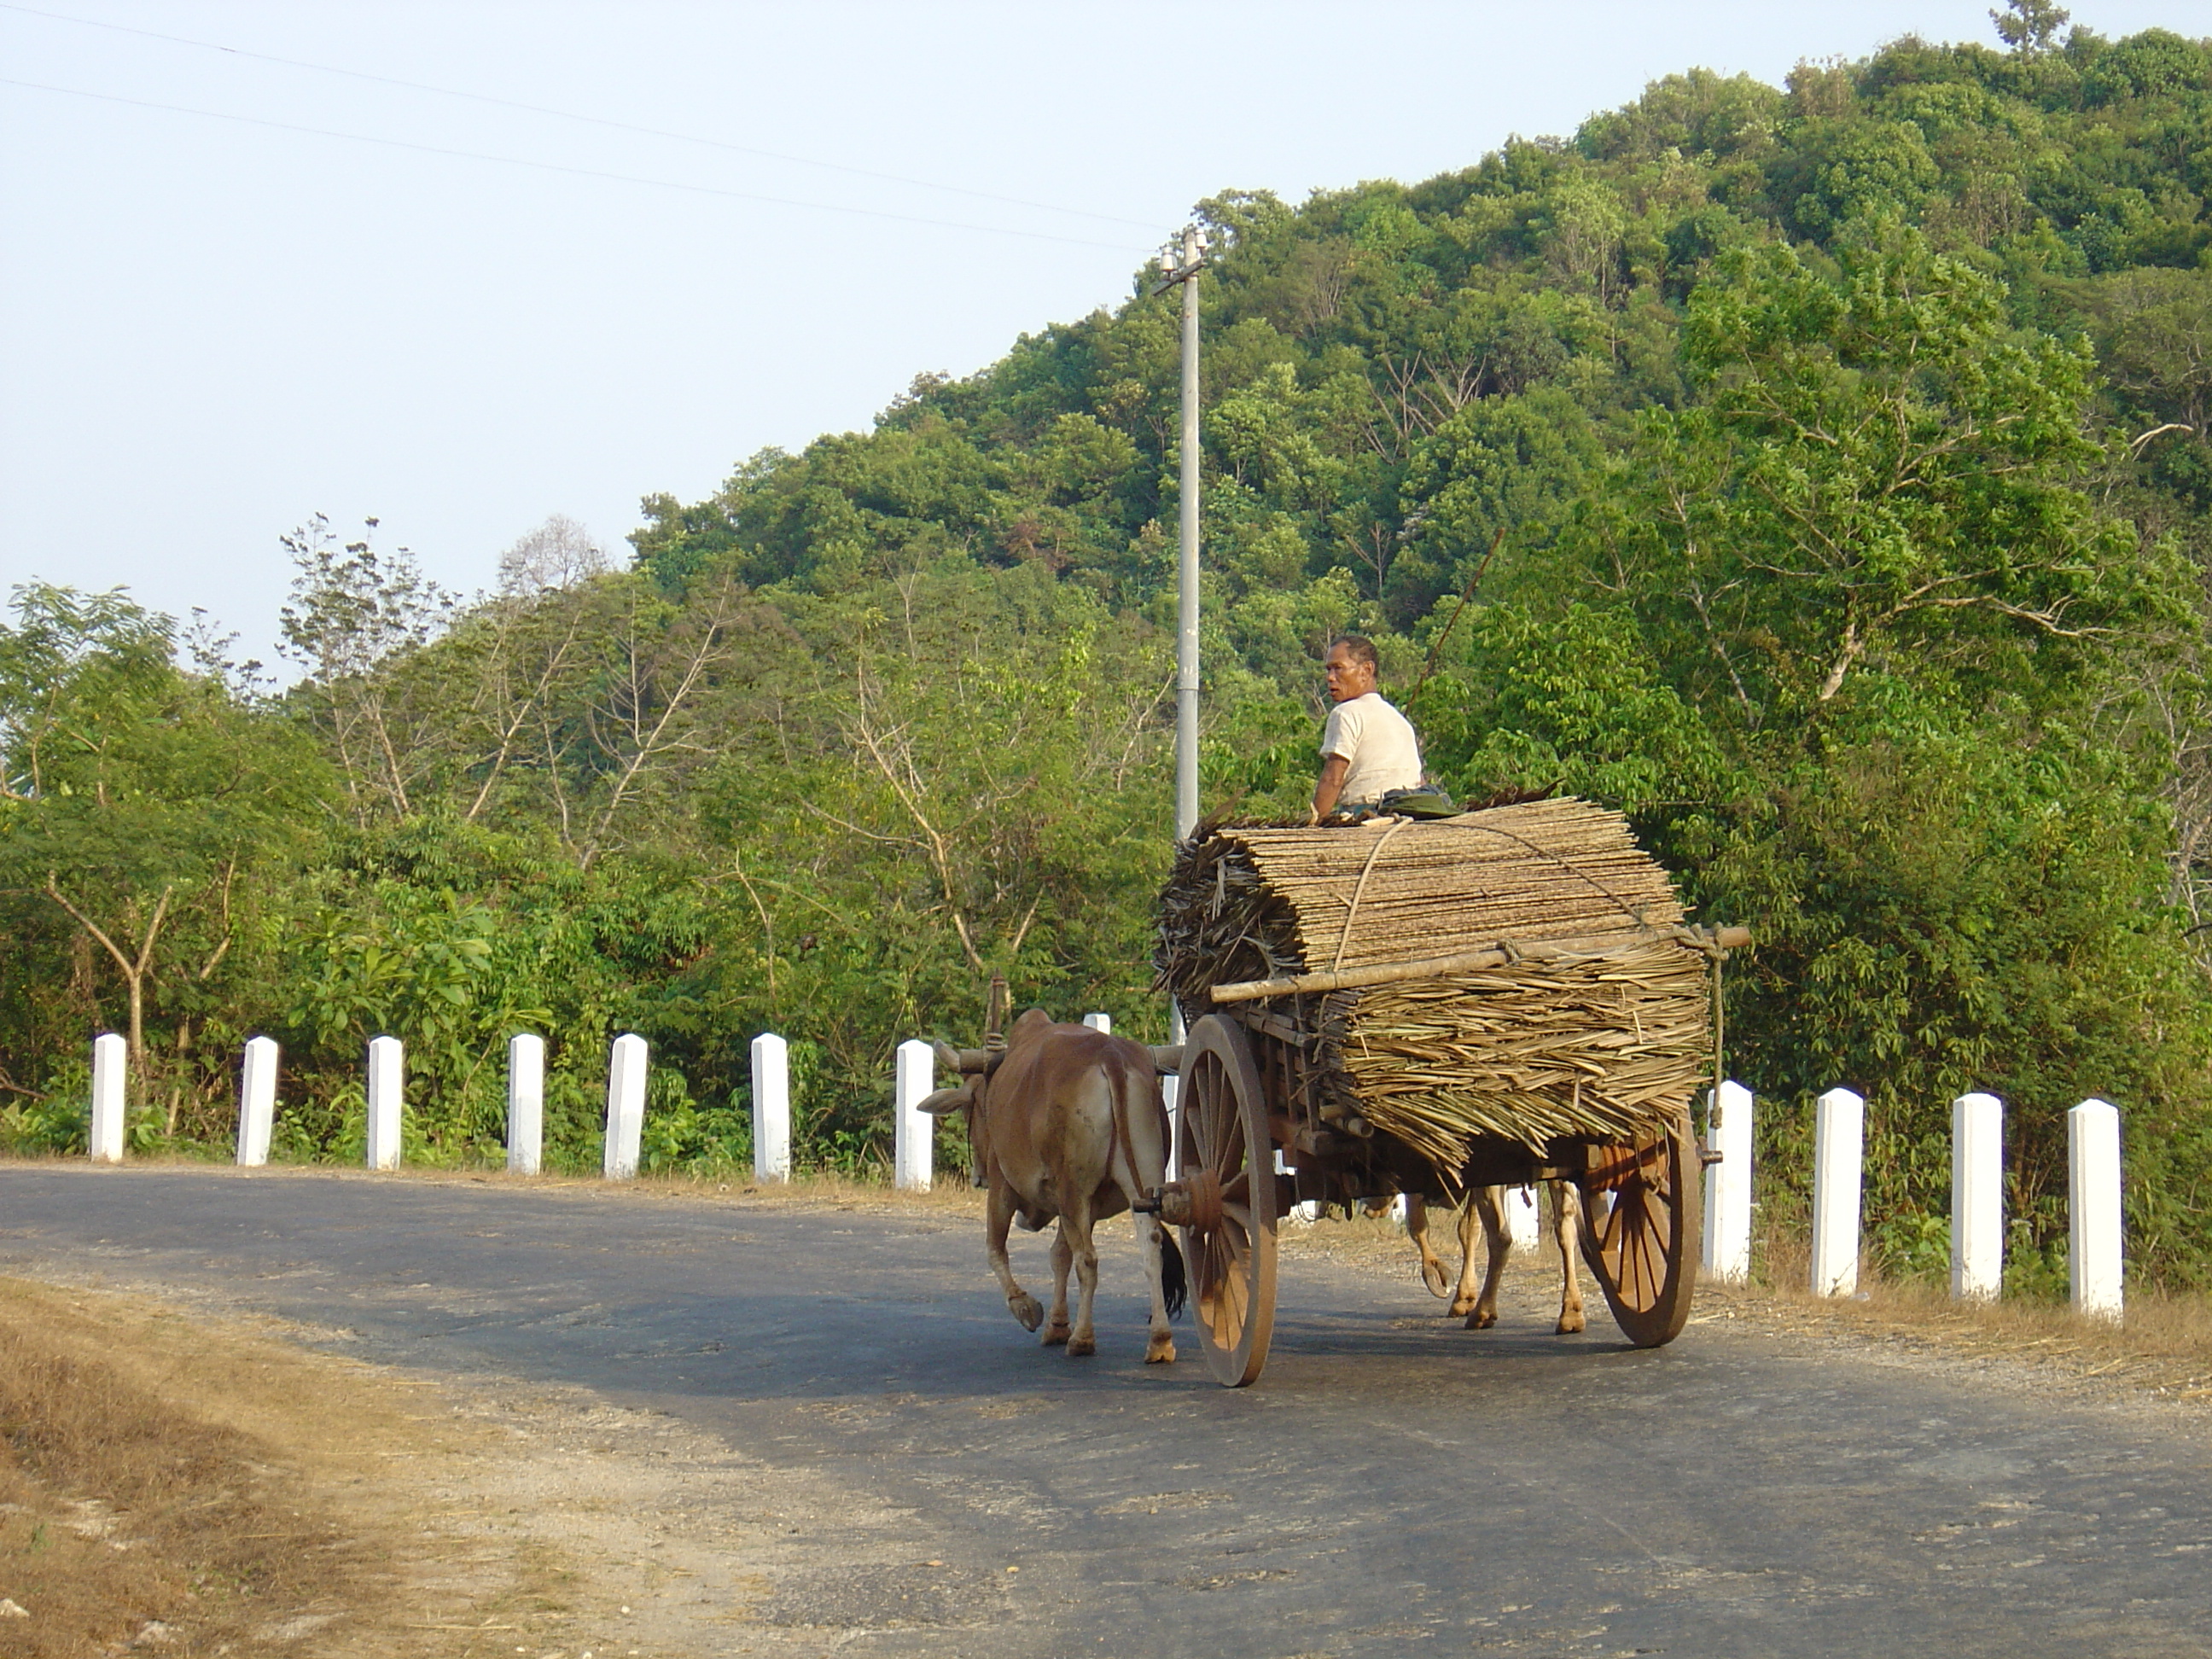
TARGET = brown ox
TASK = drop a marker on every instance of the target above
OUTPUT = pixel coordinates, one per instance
(1068, 1126)
(1485, 1206)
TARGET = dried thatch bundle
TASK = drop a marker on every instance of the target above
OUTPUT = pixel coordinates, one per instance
(1520, 972)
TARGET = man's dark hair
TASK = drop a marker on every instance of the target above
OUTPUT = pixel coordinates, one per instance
(1362, 649)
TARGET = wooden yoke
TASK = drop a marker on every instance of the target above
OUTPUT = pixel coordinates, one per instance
(968, 1064)
(1167, 1058)
(964, 1062)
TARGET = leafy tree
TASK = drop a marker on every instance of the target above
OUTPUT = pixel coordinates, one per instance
(1879, 473)
(150, 810)
(2029, 26)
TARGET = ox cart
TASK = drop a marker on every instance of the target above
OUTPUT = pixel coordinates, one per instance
(1502, 997)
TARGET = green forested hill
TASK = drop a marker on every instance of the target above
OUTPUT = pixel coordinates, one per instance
(1821, 475)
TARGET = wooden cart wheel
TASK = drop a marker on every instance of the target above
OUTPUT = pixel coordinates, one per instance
(1224, 1157)
(1642, 1215)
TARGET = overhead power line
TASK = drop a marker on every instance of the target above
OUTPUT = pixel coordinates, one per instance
(575, 115)
(559, 167)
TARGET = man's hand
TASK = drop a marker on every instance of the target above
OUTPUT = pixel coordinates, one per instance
(1330, 787)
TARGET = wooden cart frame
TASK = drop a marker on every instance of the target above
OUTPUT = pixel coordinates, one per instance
(1251, 1141)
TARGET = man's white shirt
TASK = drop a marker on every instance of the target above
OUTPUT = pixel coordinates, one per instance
(1379, 742)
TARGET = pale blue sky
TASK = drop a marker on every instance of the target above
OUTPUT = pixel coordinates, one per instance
(209, 330)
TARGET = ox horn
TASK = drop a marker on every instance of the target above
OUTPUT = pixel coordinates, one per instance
(948, 1057)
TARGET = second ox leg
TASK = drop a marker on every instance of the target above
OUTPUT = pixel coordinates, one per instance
(1417, 1229)
(1159, 1341)
(1566, 1226)
(998, 1217)
(1076, 1245)
(1485, 1209)
(1063, 1257)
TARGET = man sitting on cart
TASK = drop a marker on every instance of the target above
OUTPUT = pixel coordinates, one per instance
(1367, 748)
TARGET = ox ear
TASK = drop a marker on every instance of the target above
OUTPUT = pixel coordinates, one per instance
(946, 1102)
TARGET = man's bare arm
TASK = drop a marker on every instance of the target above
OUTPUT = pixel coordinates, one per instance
(1331, 785)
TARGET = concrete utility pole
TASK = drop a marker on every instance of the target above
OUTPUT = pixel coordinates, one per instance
(1184, 270)
(1182, 264)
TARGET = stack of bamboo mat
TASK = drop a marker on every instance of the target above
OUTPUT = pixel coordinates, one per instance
(1521, 971)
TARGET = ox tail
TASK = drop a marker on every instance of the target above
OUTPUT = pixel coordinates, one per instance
(1174, 1285)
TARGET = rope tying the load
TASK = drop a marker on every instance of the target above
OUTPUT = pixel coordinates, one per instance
(1365, 871)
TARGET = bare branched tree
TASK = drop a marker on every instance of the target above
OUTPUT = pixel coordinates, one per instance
(355, 613)
(559, 553)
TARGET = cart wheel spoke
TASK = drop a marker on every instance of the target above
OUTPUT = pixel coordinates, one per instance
(1228, 1159)
(1642, 1242)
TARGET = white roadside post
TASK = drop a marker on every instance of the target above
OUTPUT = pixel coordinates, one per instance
(914, 1080)
(110, 1064)
(2093, 1209)
(626, 1065)
(257, 1101)
(1170, 1086)
(1100, 1023)
(1524, 1228)
(1839, 1152)
(525, 1103)
(1728, 1186)
(1306, 1210)
(771, 1107)
(387, 1089)
(1977, 1198)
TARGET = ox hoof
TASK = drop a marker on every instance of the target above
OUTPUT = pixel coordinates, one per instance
(1482, 1319)
(1078, 1346)
(1437, 1278)
(1570, 1323)
(1054, 1335)
(1028, 1309)
(1462, 1308)
(1161, 1353)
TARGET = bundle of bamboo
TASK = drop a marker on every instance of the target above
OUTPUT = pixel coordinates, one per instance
(1520, 972)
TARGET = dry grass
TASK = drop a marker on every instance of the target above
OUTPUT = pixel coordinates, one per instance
(442, 1516)
(2162, 1350)
(125, 1516)
(498, 1514)
(2162, 1347)
(191, 1483)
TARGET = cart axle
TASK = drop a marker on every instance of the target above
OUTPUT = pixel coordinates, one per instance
(1195, 1202)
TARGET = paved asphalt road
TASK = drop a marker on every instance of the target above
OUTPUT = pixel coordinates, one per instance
(1392, 1481)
